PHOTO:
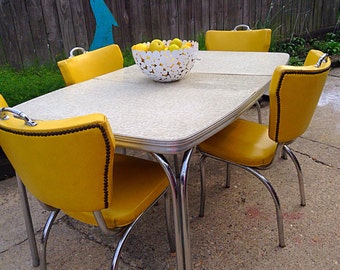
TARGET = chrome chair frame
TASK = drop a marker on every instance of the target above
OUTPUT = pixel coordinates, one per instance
(279, 216)
(123, 232)
(28, 223)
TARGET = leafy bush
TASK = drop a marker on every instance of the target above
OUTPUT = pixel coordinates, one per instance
(298, 47)
(295, 47)
(330, 45)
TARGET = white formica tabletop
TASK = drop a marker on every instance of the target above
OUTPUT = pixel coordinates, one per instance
(239, 63)
(166, 117)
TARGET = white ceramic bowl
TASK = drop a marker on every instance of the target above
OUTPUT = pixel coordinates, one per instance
(166, 66)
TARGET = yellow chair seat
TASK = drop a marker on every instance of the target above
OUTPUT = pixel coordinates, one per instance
(132, 193)
(243, 142)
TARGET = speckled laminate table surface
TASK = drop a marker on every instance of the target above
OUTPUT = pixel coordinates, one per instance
(166, 117)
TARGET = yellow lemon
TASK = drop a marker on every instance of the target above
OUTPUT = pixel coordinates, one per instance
(156, 45)
(173, 47)
(187, 45)
(176, 41)
(140, 47)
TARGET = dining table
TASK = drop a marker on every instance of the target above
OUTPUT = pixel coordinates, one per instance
(168, 119)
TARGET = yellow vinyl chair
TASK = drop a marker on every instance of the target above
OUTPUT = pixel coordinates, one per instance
(3, 102)
(294, 93)
(90, 64)
(70, 165)
(240, 40)
(27, 216)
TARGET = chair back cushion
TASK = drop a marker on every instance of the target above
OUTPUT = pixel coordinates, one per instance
(66, 164)
(294, 94)
(91, 64)
(243, 40)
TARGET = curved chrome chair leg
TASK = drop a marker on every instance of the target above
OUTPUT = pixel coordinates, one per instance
(203, 184)
(258, 109)
(288, 151)
(129, 228)
(44, 237)
(268, 185)
(121, 242)
(202, 174)
(28, 222)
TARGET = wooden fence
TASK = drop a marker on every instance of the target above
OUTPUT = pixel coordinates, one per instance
(41, 31)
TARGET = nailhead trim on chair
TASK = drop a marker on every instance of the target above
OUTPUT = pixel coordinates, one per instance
(279, 91)
(74, 130)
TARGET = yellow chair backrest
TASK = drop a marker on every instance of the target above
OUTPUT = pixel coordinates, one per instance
(294, 94)
(3, 102)
(238, 40)
(65, 163)
(91, 64)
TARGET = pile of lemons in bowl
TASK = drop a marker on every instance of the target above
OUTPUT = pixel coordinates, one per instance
(165, 61)
(159, 45)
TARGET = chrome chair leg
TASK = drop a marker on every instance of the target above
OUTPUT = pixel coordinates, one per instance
(28, 223)
(268, 185)
(290, 153)
(203, 184)
(270, 188)
(44, 237)
(126, 233)
(118, 251)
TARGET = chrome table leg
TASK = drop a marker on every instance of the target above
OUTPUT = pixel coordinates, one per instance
(179, 191)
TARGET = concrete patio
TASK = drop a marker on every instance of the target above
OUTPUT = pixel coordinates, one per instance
(239, 229)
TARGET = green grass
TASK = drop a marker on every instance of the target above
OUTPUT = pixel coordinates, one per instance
(19, 86)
